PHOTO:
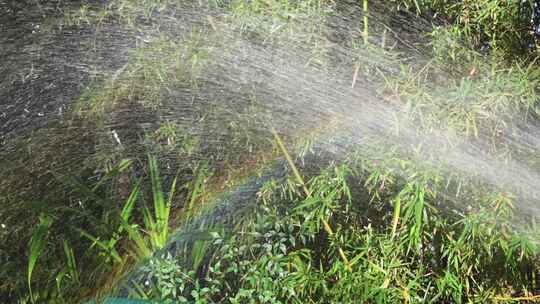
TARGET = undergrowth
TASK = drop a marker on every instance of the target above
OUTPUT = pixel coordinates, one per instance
(504, 27)
(403, 245)
(379, 227)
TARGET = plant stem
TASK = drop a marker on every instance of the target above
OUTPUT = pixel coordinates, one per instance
(511, 299)
(300, 180)
(366, 29)
(395, 219)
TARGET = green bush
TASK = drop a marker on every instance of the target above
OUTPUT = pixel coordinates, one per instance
(503, 26)
(422, 250)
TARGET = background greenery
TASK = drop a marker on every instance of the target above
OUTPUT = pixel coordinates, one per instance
(378, 225)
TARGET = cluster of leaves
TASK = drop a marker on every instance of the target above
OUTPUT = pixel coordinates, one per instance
(278, 16)
(166, 62)
(472, 105)
(124, 234)
(394, 235)
(505, 26)
(470, 96)
(404, 239)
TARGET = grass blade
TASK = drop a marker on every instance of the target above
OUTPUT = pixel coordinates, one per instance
(109, 248)
(142, 250)
(71, 264)
(37, 244)
(130, 203)
(157, 192)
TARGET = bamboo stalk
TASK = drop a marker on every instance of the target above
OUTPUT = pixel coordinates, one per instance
(366, 28)
(300, 180)
(507, 299)
(395, 217)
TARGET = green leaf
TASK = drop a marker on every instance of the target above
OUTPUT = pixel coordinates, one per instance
(107, 247)
(37, 245)
(130, 203)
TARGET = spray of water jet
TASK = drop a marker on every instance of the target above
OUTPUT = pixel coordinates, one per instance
(348, 93)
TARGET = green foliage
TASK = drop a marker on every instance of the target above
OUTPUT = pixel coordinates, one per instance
(173, 137)
(71, 266)
(489, 102)
(109, 247)
(279, 256)
(504, 26)
(165, 63)
(279, 22)
(383, 228)
(156, 226)
(159, 227)
(118, 237)
(168, 280)
(276, 14)
(38, 244)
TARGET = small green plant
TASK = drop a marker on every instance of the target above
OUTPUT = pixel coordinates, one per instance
(308, 193)
(109, 246)
(157, 224)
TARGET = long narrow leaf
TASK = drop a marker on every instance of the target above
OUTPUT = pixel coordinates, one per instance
(141, 247)
(196, 188)
(130, 203)
(121, 167)
(164, 229)
(106, 247)
(37, 244)
(157, 193)
(71, 264)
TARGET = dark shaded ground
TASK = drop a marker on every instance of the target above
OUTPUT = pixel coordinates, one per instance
(45, 66)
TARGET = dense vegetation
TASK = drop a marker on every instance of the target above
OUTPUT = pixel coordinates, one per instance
(378, 224)
(500, 26)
